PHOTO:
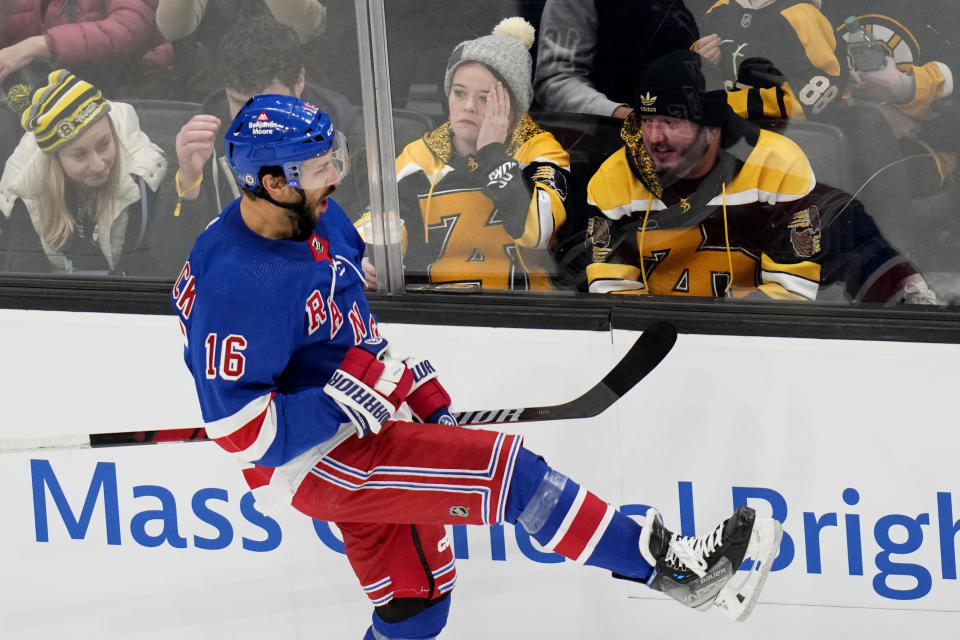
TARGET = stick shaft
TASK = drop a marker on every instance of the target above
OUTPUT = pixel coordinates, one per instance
(647, 352)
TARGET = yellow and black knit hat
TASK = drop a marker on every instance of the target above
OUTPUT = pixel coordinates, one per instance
(59, 111)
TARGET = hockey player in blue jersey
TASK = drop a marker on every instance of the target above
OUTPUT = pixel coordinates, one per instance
(295, 380)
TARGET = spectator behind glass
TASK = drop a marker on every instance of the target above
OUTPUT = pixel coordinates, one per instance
(256, 56)
(482, 196)
(777, 59)
(113, 43)
(592, 53)
(196, 26)
(784, 59)
(77, 191)
(698, 202)
(787, 57)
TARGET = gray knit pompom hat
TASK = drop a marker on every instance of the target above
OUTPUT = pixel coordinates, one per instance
(507, 52)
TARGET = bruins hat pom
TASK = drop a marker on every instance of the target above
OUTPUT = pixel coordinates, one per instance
(60, 110)
(506, 52)
(517, 28)
(18, 98)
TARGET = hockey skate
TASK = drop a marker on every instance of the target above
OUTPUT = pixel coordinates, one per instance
(700, 572)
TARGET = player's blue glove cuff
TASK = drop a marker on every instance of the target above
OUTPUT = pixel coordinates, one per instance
(442, 416)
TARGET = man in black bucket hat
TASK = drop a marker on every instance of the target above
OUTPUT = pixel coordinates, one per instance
(699, 202)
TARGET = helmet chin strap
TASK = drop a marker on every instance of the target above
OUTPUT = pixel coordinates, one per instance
(302, 218)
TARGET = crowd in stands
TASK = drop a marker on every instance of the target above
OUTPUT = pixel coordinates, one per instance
(738, 148)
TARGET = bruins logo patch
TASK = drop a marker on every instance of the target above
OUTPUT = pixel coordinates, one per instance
(805, 233)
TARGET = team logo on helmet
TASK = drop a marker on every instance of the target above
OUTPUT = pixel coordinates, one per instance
(263, 125)
(805, 235)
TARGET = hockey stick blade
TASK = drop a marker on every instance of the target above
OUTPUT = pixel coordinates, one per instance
(647, 352)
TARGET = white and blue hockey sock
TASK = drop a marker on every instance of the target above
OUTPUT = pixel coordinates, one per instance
(567, 519)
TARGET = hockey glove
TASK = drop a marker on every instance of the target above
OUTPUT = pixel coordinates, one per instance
(370, 385)
(428, 400)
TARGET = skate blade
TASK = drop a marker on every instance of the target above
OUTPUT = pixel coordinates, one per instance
(738, 601)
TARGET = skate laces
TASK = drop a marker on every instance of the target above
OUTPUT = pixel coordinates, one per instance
(691, 553)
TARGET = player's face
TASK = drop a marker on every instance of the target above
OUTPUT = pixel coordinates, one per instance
(89, 157)
(468, 100)
(668, 140)
(318, 179)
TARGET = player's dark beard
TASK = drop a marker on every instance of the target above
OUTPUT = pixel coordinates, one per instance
(302, 218)
(688, 160)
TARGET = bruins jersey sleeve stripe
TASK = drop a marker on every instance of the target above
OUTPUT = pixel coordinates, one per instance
(774, 291)
(543, 147)
(775, 171)
(546, 214)
(932, 81)
(615, 196)
(802, 278)
(415, 157)
(816, 35)
(605, 277)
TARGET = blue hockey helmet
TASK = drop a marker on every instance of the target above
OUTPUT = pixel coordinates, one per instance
(283, 131)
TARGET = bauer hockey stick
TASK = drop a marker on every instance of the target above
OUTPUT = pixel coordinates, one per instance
(647, 352)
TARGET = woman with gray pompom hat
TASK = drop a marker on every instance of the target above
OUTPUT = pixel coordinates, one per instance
(482, 196)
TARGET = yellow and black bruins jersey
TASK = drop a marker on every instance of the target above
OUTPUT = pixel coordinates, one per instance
(784, 60)
(747, 227)
(758, 226)
(488, 219)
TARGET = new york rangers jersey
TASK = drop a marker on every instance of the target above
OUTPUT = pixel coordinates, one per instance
(266, 323)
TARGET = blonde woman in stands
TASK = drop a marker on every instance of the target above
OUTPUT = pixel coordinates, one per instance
(77, 192)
